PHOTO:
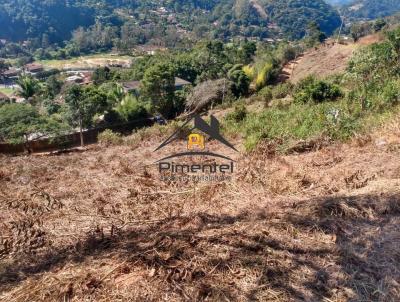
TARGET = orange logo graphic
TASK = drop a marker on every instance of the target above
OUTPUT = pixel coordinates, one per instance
(196, 141)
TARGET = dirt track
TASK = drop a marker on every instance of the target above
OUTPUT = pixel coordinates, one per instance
(325, 60)
(100, 226)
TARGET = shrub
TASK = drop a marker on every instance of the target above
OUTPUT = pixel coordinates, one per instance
(264, 76)
(19, 121)
(330, 120)
(391, 93)
(131, 108)
(312, 90)
(239, 113)
(249, 71)
(240, 83)
(157, 132)
(109, 138)
(286, 53)
(266, 95)
(282, 90)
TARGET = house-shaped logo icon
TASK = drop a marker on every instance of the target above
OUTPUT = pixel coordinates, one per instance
(171, 170)
(212, 130)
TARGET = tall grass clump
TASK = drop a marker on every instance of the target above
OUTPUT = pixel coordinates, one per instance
(311, 89)
(249, 71)
(282, 90)
(131, 108)
(264, 76)
(298, 121)
(109, 138)
(369, 93)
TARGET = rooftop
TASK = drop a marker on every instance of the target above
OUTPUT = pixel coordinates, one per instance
(131, 85)
(3, 96)
(135, 85)
(33, 66)
(11, 72)
(181, 82)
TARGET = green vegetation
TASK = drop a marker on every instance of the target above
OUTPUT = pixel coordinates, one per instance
(97, 26)
(266, 95)
(223, 74)
(239, 113)
(321, 110)
(240, 81)
(130, 109)
(370, 9)
(312, 90)
(82, 105)
(296, 122)
(104, 102)
(294, 16)
(20, 121)
(29, 86)
(281, 91)
(159, 87)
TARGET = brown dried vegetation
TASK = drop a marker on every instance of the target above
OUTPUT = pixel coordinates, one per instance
(101, 226)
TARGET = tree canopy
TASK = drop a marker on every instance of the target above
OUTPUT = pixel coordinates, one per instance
(19, 121)
(100, 25)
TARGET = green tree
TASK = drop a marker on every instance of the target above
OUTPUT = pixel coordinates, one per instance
(101, 75)
(52, 87)
(158, 85)
(314, 34)
(240, 81)
(130, 109)
(393, 38)
(114, 91)
(247, 51)
(18, 122)
(3, 65)
(29, 86)
(83, 105)
(379, 25)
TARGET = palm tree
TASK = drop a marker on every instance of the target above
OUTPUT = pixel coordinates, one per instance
(29, 86)
(116, 94)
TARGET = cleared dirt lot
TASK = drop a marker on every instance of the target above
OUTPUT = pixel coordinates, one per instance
(88, 62)
(101, 226)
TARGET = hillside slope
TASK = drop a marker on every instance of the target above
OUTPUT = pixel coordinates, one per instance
(325, 60)
(371, 9)
(57, 19)
(294, 16)
(101, 226)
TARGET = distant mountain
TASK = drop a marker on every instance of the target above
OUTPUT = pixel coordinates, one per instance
(52, 21)
(371, 9)
(293, 16)
(339, 2)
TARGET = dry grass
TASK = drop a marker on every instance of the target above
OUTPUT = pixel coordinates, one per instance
(90, 61)
(325, 61)
(101, 226)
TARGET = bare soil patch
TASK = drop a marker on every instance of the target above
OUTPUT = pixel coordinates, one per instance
(325, 60)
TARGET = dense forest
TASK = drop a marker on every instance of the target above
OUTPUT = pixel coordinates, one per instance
(128, 23)
(370, 9)
(339, 2)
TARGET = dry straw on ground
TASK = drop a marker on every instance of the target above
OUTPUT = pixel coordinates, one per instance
(100, 226)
